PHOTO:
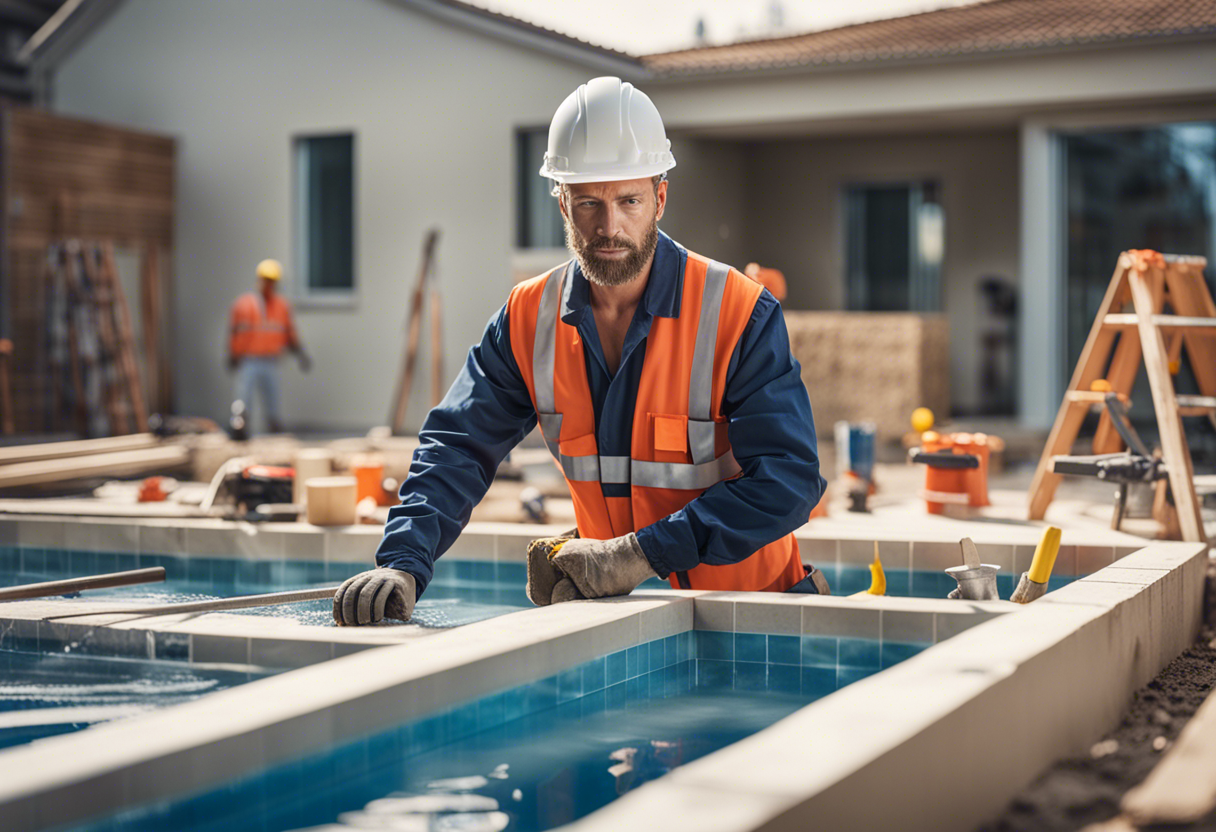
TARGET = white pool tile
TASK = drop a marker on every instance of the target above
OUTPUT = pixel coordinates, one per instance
(354, 544)
(935, 556)
(895, 554)
(40, 533)
(162, 537)
(287, 653)
(9, 531)
(907, 625)
(666, 620)
(842, 618)
(711, 613)
(776, 617)
(216, 649)
(820, 551)
(1092, 558)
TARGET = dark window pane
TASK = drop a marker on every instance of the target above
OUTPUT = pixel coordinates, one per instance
(893, 239)
(539, 220)
(327, 189)
(1150, 188)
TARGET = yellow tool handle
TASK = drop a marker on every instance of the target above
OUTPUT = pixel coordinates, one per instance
(878, 578)
(1045, 555)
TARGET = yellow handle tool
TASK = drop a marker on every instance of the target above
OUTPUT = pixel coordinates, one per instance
(878, 578)
(1045, 555)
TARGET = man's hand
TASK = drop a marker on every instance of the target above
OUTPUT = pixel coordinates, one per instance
(233, 362)
(372, 596)
(304, 360)
(543, 576)
(600, 568)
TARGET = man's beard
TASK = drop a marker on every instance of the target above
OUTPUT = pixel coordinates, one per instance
(611, 272)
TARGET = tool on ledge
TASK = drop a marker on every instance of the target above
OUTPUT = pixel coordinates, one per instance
(1034, 583)
(878, 578)
(976, 581)
(1135, 465)
(47, 589)
(239, 602)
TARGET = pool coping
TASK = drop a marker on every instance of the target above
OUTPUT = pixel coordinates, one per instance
(191, 746)
(921, 733)
(1010, 546)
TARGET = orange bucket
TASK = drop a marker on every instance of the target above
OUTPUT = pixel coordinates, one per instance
(369, 482)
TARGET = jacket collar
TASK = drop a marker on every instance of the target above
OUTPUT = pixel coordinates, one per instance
(664, 290)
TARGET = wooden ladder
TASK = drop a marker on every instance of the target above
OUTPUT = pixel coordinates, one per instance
(1149, 281)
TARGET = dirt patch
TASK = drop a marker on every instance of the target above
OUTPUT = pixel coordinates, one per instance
(1078, 791)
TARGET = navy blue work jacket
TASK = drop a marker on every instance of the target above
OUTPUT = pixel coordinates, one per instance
(488, 411)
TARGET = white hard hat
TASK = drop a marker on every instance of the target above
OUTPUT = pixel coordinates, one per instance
(605, 131)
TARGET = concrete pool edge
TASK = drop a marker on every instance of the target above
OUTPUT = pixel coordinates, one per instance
(929, 734)
(1009, 546)
(191, 746)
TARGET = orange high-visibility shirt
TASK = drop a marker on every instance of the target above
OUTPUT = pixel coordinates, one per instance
(260, 328)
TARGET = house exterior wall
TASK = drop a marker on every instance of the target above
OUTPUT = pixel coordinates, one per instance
(797, 221)
(433, 107)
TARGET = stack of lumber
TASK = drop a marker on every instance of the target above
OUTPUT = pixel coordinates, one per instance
(872, 366)
(59, 463)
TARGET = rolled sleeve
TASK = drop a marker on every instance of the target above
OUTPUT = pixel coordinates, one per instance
(484, 415)
(772, 436)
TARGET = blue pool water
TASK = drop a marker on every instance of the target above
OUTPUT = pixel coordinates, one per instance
(539, 755)
(45, 695)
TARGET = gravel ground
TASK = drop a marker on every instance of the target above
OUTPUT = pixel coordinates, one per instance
(1079, 791)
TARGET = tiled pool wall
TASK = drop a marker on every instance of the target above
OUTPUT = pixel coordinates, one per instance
(659, 669)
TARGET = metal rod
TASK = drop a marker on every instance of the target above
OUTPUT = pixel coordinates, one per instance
(152, 574)
(239, 602)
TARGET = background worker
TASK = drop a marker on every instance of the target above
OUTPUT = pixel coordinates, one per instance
(663, 384)
(261, 328)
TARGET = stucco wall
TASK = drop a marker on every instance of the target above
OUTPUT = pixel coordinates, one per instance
(433, 107)
(796, 215)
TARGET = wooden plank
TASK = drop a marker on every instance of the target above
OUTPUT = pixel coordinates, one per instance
(82, 447)
(1131, 321)
(1173, 440)
(1190, 291)
(126, 338)
(1090, 365)
(1182, 787)
(121, 464)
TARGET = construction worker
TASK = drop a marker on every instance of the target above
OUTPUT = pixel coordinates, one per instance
(261, 328)
(663, 385)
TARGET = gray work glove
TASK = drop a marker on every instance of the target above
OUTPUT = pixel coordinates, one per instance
(565, 590)
(604, 567)
(543, 576)
(372, 596)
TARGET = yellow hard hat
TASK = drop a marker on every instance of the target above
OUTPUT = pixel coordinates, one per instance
(270, 269)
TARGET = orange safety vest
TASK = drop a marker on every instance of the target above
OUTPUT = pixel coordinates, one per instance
(259, 328)
(679, 445)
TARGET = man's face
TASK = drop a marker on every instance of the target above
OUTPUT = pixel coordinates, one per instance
(268, 285)
(613, 227)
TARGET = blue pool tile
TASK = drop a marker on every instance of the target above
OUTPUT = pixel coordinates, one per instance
(172, 646)
(593, 676)
(751, 676)
(540, 695)
(484, 571)
(126, 562)
(616, 695)
(82, 563)
(636, 689)
(514, 704)
(106, 563)
(383, 749)
(1004, 585)
(631, 663)
(491, 711)
(684, 674)
(784, 650)
(715, 674)
(849, 675)
(656, 655)
(852, 580)
(10, 559)
(715, 645)
(860, 652)
(616, 666)
(784, 678)
(751, 647)
(594, 703)
(198, 571)
(55, 562)
(34, 561)
(569, 685)
(819, 651)
(931, 584)
(899, 583)
(570, 711)
(338, 572)
(818, 681)
(670, 651)
(688, 645)
(894, 652)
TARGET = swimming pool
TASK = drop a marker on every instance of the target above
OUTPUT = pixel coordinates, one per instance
(44, 695)
(543, 754)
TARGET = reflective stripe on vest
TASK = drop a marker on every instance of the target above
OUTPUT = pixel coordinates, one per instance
(706, 469)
